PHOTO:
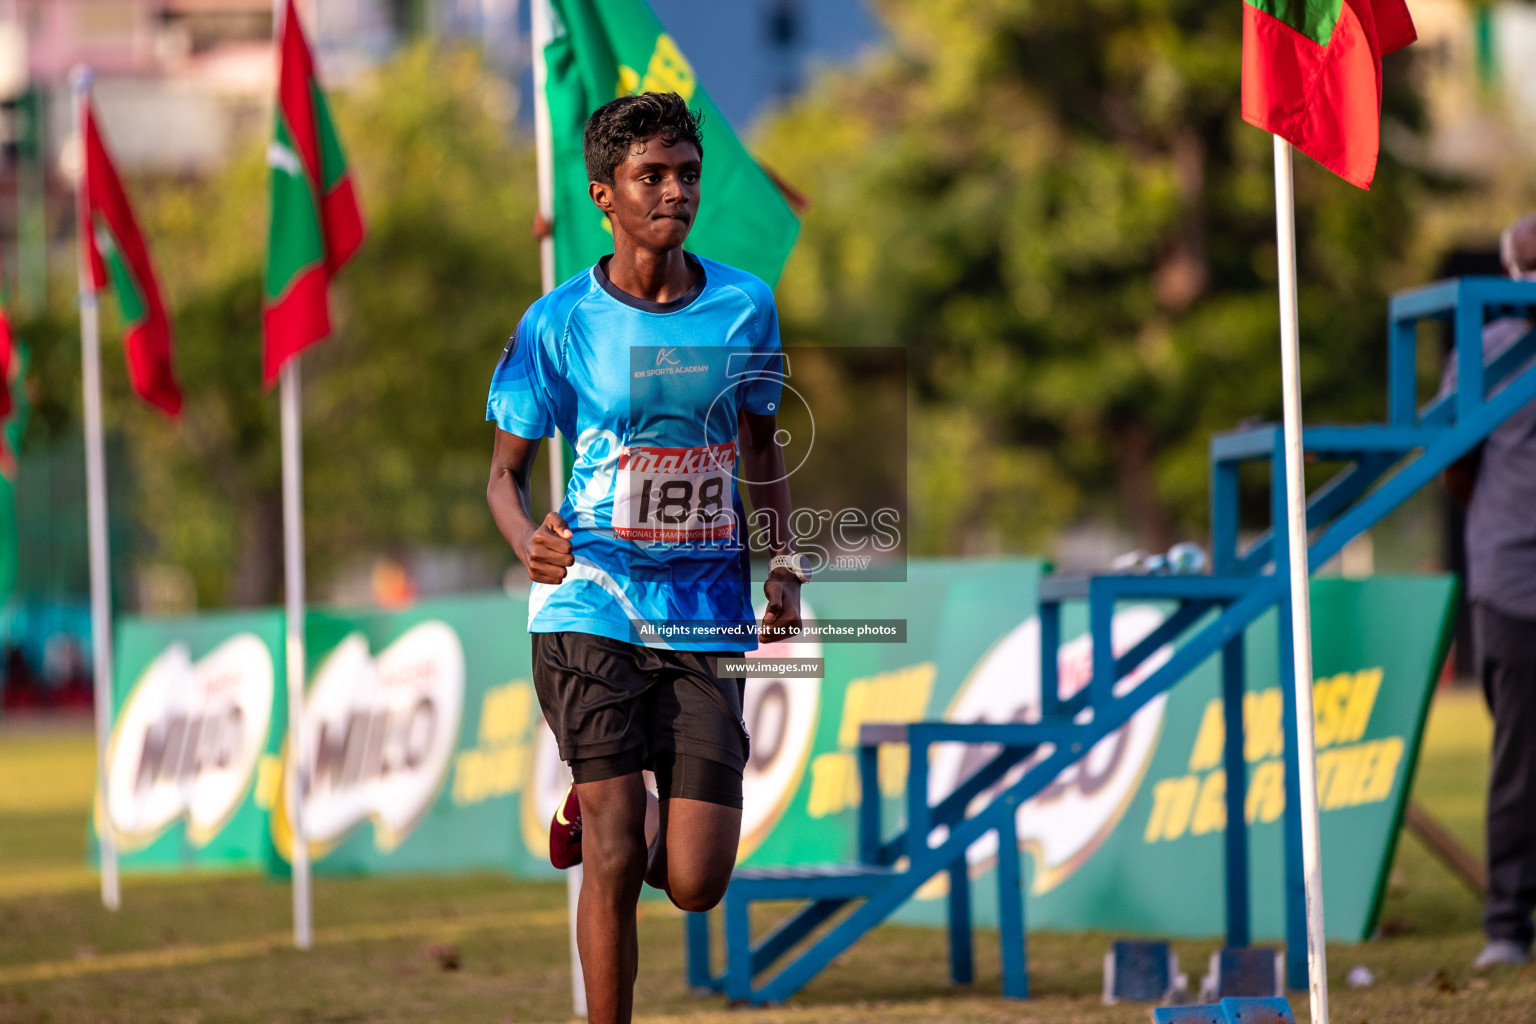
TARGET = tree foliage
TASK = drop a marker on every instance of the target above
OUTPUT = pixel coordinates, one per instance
(1055, 205)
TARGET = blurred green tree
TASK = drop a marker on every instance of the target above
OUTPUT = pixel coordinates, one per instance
(1055, 205)
(395, 444)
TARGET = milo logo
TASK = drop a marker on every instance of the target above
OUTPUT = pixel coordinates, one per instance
(1065, 823)
(187, 741)
(378, 733)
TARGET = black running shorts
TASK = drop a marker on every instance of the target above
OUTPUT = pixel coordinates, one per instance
(605, 697)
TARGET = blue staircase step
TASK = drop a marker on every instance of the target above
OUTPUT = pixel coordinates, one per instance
(1188, 1015)
(1019, 734)
(1271, 1010)
(1055, 589)
(1228, 1011)
(811, 881)
(1344, 442)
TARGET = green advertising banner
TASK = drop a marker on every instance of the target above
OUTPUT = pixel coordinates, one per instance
(417, 734)
(1130, 839)
(192, 764)
(424, 748)
(415, 739)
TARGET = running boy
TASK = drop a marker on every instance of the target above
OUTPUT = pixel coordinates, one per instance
(664, 369)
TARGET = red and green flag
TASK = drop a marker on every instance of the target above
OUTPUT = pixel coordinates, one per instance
(12, 426)
(603, 49)
(10, 360)
(14, 408)
(1312, 75)
(13, 397)
(316, 225)
(115, 252)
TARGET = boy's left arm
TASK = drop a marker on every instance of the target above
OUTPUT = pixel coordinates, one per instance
(762, 464)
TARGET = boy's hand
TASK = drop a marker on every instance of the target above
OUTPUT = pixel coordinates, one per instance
(781, 619)
(548, 551)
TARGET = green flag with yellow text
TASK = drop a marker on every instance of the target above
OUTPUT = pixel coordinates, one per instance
(603, 49)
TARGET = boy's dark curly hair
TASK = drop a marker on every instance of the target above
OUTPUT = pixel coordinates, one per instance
(615, 127)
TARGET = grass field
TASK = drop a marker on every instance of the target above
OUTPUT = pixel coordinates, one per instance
(216, 949)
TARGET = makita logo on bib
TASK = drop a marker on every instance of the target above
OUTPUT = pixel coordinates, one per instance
(678, 461)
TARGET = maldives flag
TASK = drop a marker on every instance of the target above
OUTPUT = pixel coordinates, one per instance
(12, 425)
(13, 421)
(12, 411)
(8, 360)
(606, 48)
(115, 252)
(1312, 75)
(316, 225)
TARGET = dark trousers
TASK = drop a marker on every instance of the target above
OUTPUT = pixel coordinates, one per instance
(1506, 658)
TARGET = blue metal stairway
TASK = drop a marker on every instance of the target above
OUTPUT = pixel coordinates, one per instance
(1384, 464)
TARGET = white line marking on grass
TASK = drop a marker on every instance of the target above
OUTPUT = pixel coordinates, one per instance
(182, 956)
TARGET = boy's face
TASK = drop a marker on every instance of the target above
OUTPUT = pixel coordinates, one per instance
(655, 193)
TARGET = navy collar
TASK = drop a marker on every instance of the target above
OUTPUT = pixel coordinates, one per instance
(600, 271)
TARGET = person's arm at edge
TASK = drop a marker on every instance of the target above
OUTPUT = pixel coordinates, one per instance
(763, 460)
(1460, 477)
(543, 548)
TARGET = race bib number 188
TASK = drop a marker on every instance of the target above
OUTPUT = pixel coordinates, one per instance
(675, 494)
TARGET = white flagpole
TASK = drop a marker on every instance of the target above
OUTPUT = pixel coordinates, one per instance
(96, 507)
(293, 587)
(293, 601)
(539, 16)
(539, 22)
(1301, 605)
(541, 32)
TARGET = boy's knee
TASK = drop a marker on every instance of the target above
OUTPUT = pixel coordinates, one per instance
(614, 856)
(698, 895)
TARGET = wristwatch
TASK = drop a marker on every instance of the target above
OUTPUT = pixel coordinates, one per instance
(795, 563)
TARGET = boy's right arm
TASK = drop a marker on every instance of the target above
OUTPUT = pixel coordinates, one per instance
(543, 548)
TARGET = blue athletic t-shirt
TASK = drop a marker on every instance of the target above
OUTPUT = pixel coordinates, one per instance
(648, 393)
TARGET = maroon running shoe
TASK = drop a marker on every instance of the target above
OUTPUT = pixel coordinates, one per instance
(565, 832)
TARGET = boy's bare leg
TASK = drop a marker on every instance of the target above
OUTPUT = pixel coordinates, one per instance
(695, 851)
(613, 850)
